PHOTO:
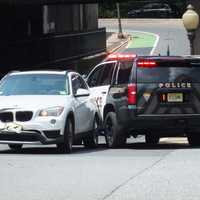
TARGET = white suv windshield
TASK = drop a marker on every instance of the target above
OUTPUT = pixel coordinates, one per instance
(34, 84)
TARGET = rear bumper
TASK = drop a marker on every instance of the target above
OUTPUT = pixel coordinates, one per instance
(162, 124)
(29, 137)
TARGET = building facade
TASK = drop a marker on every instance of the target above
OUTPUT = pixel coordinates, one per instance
(48, 34)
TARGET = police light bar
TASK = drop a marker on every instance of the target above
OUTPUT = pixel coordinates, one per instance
(119, 56)
(146, 63)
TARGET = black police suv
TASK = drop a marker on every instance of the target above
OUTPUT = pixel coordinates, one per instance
(155, 96)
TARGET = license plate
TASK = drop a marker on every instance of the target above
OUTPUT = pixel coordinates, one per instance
(13, 127)
(175, 97)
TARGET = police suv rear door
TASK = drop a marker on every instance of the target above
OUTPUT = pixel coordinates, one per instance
(168, 86)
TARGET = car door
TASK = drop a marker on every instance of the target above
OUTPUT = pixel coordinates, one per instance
(99, 81)
(166, 11)
(147, 10)
(156, 10)
(118, 90)
(83, 111)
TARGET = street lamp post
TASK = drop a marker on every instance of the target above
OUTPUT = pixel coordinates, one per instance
(191, 22)
(120, 34)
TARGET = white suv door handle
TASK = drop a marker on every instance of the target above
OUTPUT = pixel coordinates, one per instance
(104, 92)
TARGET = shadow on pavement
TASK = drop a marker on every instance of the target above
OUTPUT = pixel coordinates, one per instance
(162, 146)
(102, 147)
(52, 150)
(145, 146)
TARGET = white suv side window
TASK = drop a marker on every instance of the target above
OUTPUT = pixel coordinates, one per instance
(123, 72)
(102, 75)
(93, 79)
(106, 76)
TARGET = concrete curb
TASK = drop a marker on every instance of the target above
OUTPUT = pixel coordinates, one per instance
(141, 20)
(123, 43)
(111, 50)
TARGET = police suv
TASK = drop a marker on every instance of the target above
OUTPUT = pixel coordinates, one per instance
(155, 96)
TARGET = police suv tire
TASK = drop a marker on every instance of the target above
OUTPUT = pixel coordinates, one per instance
(194, 139)
(78, 141)
(152, 139)
(114, 134)
(15, 147)
(92, 139)
(66, 145)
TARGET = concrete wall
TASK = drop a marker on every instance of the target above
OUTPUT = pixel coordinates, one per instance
(48, 35)
(28, 20)
(91, 14)
(70, 18)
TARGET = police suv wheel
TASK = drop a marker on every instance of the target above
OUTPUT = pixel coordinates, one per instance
(66, 146)
(15, 147)
(113, 132)
(92, 140)
(194, 139)
(152, 139)
(78, 141)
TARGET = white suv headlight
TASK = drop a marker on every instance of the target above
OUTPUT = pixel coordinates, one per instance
(53, 111)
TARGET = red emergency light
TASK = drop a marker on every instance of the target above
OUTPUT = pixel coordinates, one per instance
(121, 56)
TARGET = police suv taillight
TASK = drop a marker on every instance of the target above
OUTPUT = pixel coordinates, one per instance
(132, 94)
(146, 63)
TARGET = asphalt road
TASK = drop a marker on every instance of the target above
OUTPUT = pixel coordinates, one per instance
(166, 171)
(170, 31)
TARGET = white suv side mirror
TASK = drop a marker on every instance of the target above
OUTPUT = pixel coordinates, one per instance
(82, 93)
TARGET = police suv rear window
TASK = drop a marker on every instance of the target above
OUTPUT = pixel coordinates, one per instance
(157, 74)
(123, 73)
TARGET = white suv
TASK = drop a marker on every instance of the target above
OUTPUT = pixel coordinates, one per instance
(47, 107)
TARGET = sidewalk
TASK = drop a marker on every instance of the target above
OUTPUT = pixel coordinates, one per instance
(113, 43)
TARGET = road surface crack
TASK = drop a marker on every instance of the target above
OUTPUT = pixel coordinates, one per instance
(134, 176)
